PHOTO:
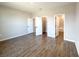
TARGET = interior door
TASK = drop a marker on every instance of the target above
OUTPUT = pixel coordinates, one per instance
(38, 25)
(30, 25)
(51, 26)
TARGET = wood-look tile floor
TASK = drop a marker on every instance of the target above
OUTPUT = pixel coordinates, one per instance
(36, 46)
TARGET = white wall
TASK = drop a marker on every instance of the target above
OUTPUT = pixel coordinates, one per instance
(77, 27)
(70, 19)
(38, 25)
(13, 23)
(51, 26)
(30, 25)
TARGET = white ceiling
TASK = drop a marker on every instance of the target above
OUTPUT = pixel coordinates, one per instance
(34, 7)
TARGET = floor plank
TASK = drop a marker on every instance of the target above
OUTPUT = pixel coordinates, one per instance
(36, 46)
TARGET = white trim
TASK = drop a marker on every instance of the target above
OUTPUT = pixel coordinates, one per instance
(64, 21)
(76, 44)
(12, 37)
(69, 40)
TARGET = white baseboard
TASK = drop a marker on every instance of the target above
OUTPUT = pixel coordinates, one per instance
(76, 43)
(70, 40)
(12, 37)
(77, 46)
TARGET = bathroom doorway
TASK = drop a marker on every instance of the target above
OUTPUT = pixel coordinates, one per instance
(59, 29)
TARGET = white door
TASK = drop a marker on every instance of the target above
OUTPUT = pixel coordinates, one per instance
(38, 25)
(30, 25)
(51, 27)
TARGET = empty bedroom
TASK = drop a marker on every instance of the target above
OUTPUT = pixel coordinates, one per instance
(39, 29)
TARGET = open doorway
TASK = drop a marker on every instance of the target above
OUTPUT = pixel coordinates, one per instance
(59, 29)
(40, 25)
(44, 25)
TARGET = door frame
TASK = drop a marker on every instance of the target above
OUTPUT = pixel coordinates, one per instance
(34, 24)
(34, 28)
(55, 23)
(44, 24)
